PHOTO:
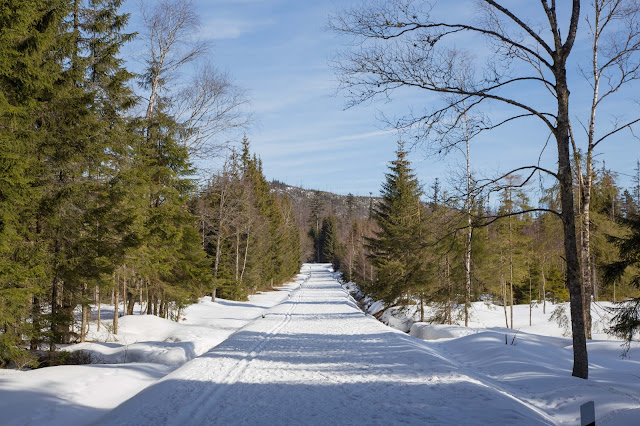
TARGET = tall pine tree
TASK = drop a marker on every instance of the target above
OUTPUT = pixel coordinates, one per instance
(396, 249)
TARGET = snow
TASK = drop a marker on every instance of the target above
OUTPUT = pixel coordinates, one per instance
(309, 355)
(487, 315)
(145, 349)
(426, 331)
(317, 358)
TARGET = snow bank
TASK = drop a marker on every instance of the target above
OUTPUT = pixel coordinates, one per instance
(538, 368)
(425, 331)
(145, 349)
(344, 357)
(147, 338)
(71, 394)
(538, 318)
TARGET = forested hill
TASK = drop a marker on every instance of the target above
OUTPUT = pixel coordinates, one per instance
(304, 201)
(319, 213)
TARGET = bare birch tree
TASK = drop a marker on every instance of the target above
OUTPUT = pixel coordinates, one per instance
(404, 44)
(171, 29)
(209, 104)
(614, 30)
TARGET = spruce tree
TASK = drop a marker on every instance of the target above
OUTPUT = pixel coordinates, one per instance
(330, 247)
(28, 74)
(626, 320)
(396, 249)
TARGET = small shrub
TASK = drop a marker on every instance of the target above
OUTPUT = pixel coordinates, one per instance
(14, 354)
(51, 359)
(560, 317)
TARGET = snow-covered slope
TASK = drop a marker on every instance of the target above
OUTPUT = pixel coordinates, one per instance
(316, 358)
(146, 349)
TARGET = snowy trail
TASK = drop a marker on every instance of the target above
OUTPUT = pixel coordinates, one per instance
(317, 359)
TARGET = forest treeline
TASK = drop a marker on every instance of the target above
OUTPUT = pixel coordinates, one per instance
(99, 200)
(409, 249)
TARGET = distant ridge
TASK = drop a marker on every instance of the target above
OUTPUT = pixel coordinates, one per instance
(341, 206)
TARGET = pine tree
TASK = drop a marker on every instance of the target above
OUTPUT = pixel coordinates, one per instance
(82, 160)
(254, 239)
(315, 220)
(626, 321)
(28, 74)
(396, 249)
(330, 247)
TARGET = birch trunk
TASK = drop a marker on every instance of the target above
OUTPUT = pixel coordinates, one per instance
(116, 308)
(544, 288)
(467, 252)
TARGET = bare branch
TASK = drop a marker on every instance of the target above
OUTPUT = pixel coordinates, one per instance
(208, 107)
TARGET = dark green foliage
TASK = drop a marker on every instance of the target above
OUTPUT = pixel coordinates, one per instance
(331, 249)
(91, 198)
(51, 359)
(29, 72)
(629, 248)
(396, 249)
(249, 232)
(626, 322)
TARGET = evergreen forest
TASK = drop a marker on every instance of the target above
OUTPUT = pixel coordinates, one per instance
(410, 245)
(104, 197)
(100, 198)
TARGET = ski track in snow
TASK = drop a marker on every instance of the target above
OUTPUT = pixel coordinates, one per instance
(317, 359)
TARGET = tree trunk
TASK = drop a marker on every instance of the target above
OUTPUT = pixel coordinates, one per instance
(594, 279)
(99, 309)
(155, 305)
(124, 295)
(140, 293)
(54, 314)
(504, 300)
(150, 299)
(83, 323)
(565, 178)
(237, 254)
(530, 298)
(246, 253)
(544, 288)
(116, 308)
(35, 315)
(449, 301)
(510, 259)
(467, 252)
(131, 302)
(585, 249)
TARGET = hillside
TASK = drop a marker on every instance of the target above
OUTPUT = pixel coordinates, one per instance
(341, 206)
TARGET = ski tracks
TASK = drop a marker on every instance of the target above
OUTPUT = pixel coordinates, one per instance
(201, 408)
(317, 359)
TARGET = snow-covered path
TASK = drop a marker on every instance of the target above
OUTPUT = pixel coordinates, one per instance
(317, 359)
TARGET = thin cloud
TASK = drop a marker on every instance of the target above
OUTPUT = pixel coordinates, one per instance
(229, 28)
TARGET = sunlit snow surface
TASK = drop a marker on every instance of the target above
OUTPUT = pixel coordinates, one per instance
(317, 359)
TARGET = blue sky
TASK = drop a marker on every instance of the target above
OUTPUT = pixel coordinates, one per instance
(279, 50)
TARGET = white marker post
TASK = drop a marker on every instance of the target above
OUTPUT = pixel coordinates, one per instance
(588, 414)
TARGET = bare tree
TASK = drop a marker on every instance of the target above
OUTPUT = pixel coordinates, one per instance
(209, 104)
(403, 44)
(171, 30)
(614, 30)
(208, 107)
